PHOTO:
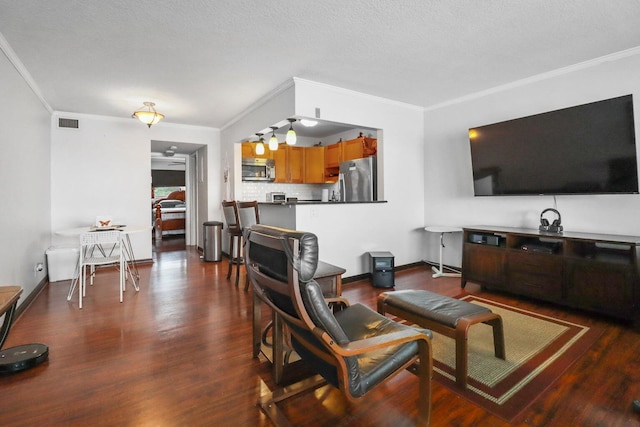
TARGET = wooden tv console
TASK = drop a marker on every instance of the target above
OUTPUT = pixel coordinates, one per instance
(596, 272)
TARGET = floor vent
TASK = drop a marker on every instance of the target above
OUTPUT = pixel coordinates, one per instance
(67, 123)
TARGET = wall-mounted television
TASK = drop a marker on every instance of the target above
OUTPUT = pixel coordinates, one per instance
(585, 149)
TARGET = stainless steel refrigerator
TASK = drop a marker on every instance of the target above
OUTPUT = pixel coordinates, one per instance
(358, 180)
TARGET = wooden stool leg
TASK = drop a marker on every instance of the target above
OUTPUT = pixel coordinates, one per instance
(498, 337)
(231, 254)
(238, 258)
(462, 344)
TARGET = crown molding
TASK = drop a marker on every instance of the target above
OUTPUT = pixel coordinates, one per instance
(263, 100)
(539, 77)
(22, 70)
(358, 94)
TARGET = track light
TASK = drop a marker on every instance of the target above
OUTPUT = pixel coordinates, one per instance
(260, 145)
(273, 141)
(291, 134)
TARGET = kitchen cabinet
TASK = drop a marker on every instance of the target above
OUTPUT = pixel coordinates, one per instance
(352, 149)
(332, 155)
(289, 161)
(249, 150)
(332, 159)
(314, 165)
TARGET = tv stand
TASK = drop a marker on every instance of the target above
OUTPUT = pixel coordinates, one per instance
(596, 272)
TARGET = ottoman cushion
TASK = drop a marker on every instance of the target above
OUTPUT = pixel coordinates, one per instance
(429, 305)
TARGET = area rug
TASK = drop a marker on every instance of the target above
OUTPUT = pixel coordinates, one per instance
(539, 349)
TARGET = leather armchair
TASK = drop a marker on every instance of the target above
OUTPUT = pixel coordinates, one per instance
(351, 347)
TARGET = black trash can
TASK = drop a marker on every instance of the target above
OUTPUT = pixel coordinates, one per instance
(212, 232)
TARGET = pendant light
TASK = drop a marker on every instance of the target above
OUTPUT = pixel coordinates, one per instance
(273, 141)
(260, 145)
(291, 134)
(148, 114)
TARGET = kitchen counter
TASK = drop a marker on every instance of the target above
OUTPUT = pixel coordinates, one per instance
(284, 214)
(316, 202)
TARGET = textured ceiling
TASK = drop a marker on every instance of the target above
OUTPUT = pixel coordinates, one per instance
(203, 62)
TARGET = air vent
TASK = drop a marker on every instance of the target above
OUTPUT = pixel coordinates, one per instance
(67, 123)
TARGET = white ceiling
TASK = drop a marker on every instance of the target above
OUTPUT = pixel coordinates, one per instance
(203, 62)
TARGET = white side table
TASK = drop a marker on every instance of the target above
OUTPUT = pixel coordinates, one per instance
(439, 272)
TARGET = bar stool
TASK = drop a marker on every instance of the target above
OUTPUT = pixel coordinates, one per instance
(248, 215)
(230, 210)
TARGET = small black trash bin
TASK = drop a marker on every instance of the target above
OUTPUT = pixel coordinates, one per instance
(212, 232)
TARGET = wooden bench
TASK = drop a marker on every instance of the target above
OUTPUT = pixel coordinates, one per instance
(448, 316)
(21, 357)
(9, 296)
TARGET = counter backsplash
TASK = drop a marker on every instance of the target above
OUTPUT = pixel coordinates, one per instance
(258, 190)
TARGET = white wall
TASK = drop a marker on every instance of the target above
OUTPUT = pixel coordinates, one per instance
(104, 167)
(25, 204)
(447, 162)
(275, 107)
(347, 232)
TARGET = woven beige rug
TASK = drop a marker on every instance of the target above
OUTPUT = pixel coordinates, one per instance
(539, 349)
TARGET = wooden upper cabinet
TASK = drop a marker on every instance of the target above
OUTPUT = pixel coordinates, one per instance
(332, 155)
(295, 163)
(280, 158)
(314, 165)
(332, 159)
(353, 149)
(249, 150)
(289, 163)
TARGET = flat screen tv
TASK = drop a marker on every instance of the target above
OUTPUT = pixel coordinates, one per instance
(586, 149)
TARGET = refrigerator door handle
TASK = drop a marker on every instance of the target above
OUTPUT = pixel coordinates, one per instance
(341, 192)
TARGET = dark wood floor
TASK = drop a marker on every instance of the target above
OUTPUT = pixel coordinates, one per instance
(179, 353)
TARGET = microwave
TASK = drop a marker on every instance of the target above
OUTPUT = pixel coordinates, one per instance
(276, 197)
(257, 169)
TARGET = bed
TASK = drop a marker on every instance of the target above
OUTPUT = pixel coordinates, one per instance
(169, 215)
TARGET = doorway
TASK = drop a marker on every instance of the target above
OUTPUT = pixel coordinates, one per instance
(174, 185)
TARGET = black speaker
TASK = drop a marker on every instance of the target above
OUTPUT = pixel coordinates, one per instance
(555, 226)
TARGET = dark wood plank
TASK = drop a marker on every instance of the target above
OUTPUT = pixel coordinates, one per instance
(179, 353)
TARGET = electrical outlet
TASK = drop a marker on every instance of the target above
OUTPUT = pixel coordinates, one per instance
(38, 268)
(314, 213)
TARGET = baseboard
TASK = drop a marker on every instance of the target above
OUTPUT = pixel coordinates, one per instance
(367, 276)
(31, 297)
(444, 266)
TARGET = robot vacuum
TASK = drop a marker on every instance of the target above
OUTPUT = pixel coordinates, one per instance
(21, 357)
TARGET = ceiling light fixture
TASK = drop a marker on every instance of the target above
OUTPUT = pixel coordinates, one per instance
(308, 123)
(273, 141)
(260, 145)
(171, 151)
(148, 114)
(291, 134)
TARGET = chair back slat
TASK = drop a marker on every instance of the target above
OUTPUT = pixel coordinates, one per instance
(100, 237)
(248, 214)
(230, 211)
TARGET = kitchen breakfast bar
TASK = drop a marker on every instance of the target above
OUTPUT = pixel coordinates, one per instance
(346, 231)
(284, 214)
